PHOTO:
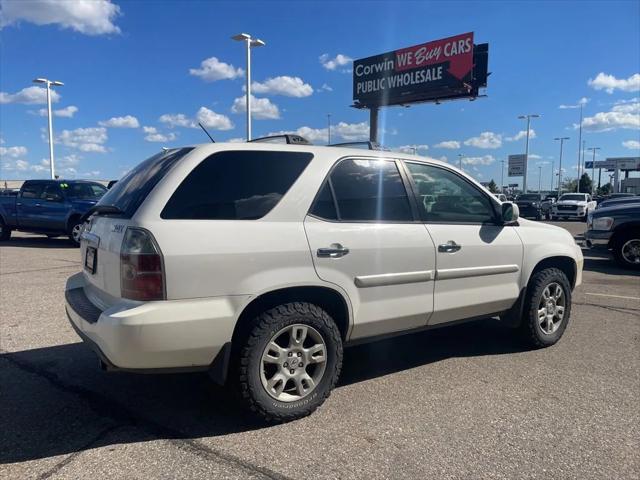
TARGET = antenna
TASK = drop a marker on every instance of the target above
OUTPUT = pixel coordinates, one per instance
(205, 131)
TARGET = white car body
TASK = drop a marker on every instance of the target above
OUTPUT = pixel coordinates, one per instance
(573, 205)
(393, 280)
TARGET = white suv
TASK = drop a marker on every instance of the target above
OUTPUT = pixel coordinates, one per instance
(259, 262)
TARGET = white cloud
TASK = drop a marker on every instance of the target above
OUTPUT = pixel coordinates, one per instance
(213, 69)
(13, 152)
(623, 115)
(67, 112)
(236, 140)
(91, 17)
(85, 139)
(339, 60)
(448, 144)
(609, 83)
(211, 119)
(63, 162)
(412, 148)
(349, 132)
(283, 85)
(485, 140)
(582, 101)
(261, 108)
(127, 121)
(177, 120)
(30, 96)
(521, 135)
(326, 88)
(533, 156)
(154, 136)
(631, 144)
(484, 160)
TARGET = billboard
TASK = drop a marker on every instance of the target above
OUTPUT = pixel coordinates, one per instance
(442, 69)
(517, 165)
(621, 163)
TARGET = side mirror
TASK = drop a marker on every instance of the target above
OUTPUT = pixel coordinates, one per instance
(510, 213)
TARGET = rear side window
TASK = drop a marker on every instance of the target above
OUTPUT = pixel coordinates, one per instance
(131, 190)
(236, 185)
(32, 190)
(366, 190)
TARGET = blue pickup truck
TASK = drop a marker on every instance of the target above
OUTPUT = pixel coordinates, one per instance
(50, 207)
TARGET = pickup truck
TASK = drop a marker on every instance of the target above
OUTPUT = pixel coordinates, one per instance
(49, 207)
(616, 228)
(573, 205)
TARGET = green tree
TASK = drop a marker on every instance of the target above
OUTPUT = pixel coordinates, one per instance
(493, 188)
(586, 185)
(570, 185)
(605, 189)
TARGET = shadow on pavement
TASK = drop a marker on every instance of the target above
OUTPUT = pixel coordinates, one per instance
(37, 242)
(56, 401)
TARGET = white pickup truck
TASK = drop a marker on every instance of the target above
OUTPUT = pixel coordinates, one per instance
(259, 262)
(573, 205)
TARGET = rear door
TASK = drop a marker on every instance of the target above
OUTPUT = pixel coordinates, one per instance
(478, 260)
(29, 205)
(365, 237)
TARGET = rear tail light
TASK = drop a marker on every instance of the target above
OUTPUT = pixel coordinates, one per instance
(141, 267)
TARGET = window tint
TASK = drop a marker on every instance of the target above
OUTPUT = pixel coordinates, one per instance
(32, 190)
(242, 185)
(131, 190)
(447, 198)
(51, 190)
(370, 190)
(324, 206)
(92, 191)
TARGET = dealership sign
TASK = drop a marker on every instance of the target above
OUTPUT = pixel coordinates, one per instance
(517, 165)
(620, 163)
(430, 71)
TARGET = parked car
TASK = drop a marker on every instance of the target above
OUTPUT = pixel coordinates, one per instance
(530, 205)
(259, 262)
(617, 228)
(573, 205)
(619, 201)
(500, 196)
(49, 207)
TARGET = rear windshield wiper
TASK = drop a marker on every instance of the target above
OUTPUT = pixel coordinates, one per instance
(102, 210)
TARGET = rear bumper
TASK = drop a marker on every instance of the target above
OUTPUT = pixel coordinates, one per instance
(153, 336)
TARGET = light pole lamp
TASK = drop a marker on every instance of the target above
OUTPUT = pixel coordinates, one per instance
(49, 84)
(528, 117)
(250, 43)
(593, 168)
(562, 139)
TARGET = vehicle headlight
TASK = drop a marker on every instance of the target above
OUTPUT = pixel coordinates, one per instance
(602, 223)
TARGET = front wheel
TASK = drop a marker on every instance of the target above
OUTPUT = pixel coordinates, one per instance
(290, 362)
(75, 231)
(626, 250)
(547, 308)
(5, 231)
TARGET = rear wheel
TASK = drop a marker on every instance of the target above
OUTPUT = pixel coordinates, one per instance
(75, 231)
(5, 231)
(547, 308)
(626, 250)
(290, 362)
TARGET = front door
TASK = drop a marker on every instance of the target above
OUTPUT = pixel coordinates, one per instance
(365, 237)
(478, 260)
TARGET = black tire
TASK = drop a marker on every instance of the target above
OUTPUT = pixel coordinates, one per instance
(619, 241)
(5, 232)
(530, 328)
(248, 364)
(73, 223)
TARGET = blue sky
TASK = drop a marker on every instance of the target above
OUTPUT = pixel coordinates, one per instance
(138, 75)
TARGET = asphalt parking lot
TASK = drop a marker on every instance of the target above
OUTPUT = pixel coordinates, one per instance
(462, 402)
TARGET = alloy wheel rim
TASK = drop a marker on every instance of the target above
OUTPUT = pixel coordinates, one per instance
(76, 231)
(631, 251)
(551, 308)
(293, 363)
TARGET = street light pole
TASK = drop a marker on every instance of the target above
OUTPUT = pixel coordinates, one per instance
(249, 42)
(526, 152)
(562, 139)
(49, 84)
(502, 176)
(328, 129)
(579, 144)
(553, 173)
(539, 178)
(460, 160)
(593, 168)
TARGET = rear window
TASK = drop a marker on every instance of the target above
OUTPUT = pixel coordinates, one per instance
(92, 191)
(131, 190)
(236, 185)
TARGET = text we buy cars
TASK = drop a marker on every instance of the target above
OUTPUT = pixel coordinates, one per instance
(440, 62)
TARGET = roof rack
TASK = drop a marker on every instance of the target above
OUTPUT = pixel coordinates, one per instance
(287, 138)
(363, 145)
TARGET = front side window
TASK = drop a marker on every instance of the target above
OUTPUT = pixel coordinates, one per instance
(446, 197)
(367, 190)
(32, 190)
(236, 185)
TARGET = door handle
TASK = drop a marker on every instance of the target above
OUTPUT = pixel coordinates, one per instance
(38, 205)
(335, 250)
(449, 247)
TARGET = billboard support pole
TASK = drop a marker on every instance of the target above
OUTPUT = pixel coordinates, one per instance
(373, 124)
